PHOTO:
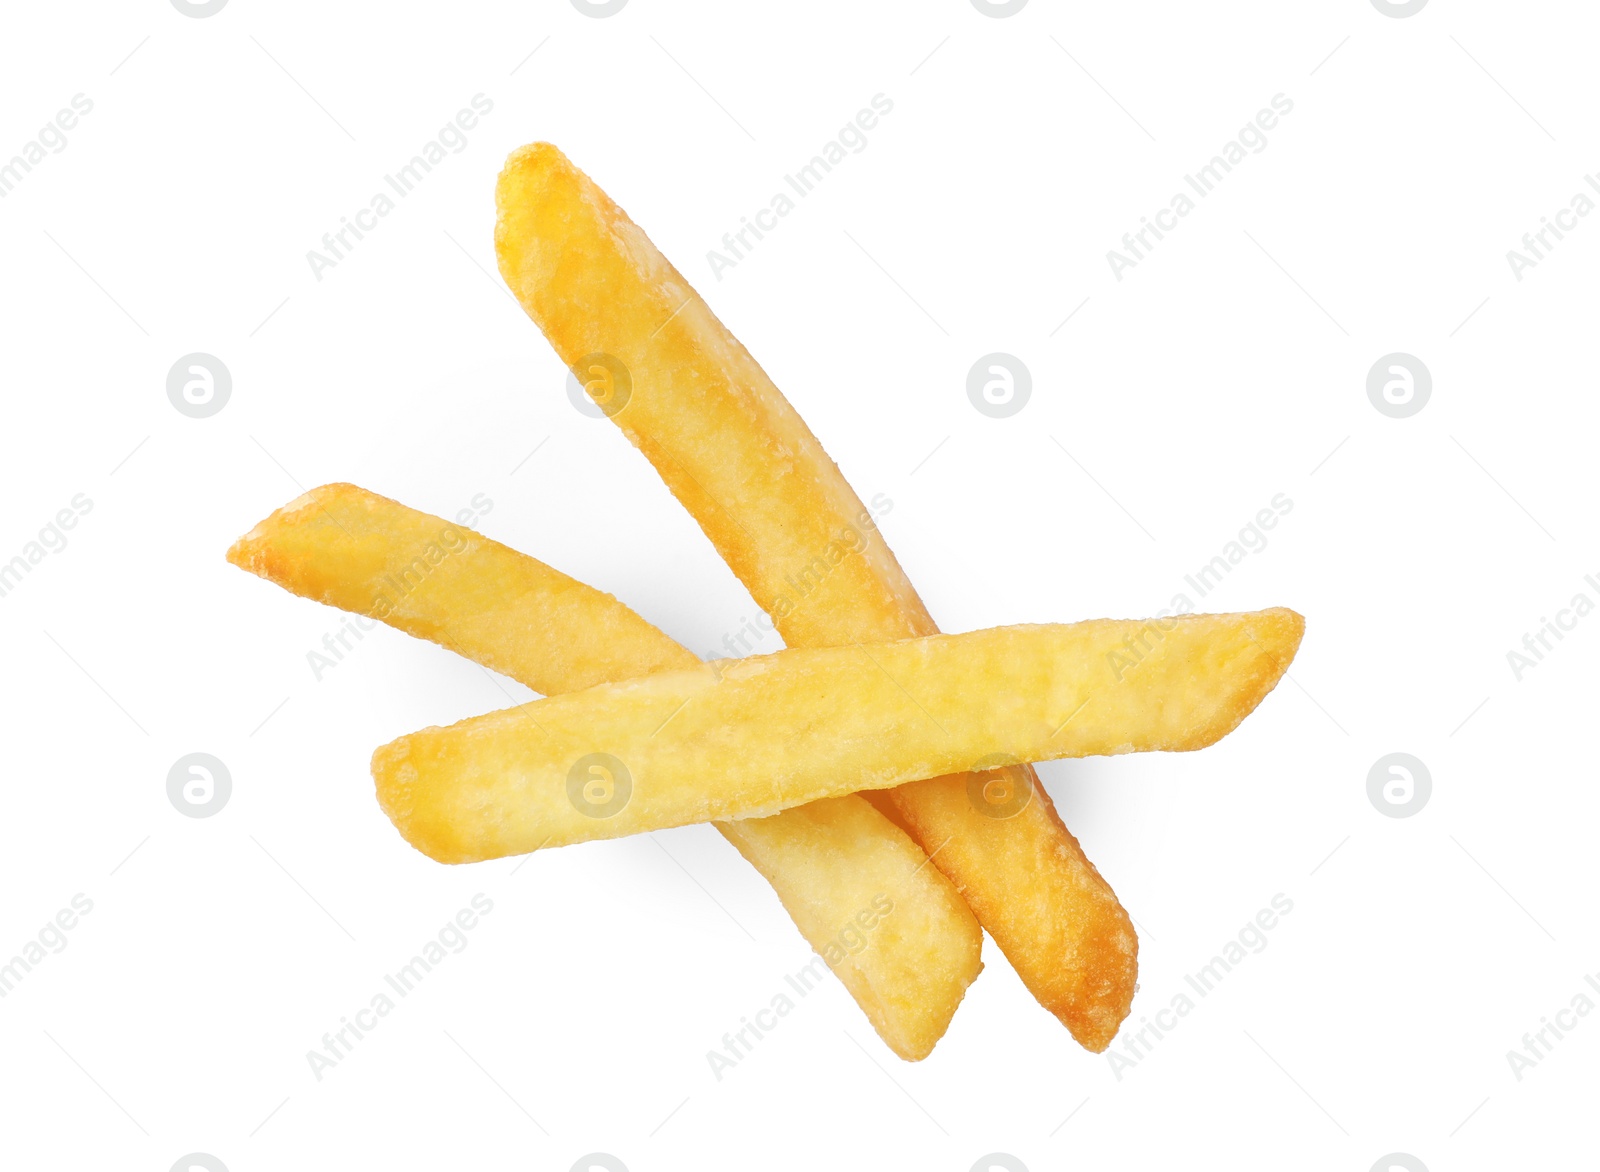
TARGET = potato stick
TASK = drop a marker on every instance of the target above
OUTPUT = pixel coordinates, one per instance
(746, 738)
(364, 553)
(844, 872)
(738, 456)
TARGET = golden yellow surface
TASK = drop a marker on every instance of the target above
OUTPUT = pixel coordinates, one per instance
(746, 738)
(894, 929)
(443, 582)
(738, 456)
(718, 431)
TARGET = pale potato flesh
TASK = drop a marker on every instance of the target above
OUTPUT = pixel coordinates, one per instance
(746, 738)
(739, 457)
(836, 864)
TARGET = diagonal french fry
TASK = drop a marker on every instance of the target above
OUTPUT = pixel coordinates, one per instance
(836, 864)
(738, 456)
(747, 738)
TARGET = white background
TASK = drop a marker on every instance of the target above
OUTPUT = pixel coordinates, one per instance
(1227, 367)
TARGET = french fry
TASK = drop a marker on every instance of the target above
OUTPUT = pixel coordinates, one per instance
(361, 552)
(738, 456)
(746, 738)
(835, 864)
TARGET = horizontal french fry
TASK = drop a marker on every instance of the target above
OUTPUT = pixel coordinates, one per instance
(836, 864)
(747, 738)
(742, 461)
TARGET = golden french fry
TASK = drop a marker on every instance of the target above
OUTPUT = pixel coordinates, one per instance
(895, 930)
(361, 552)
(747, 738)
(738, 456)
